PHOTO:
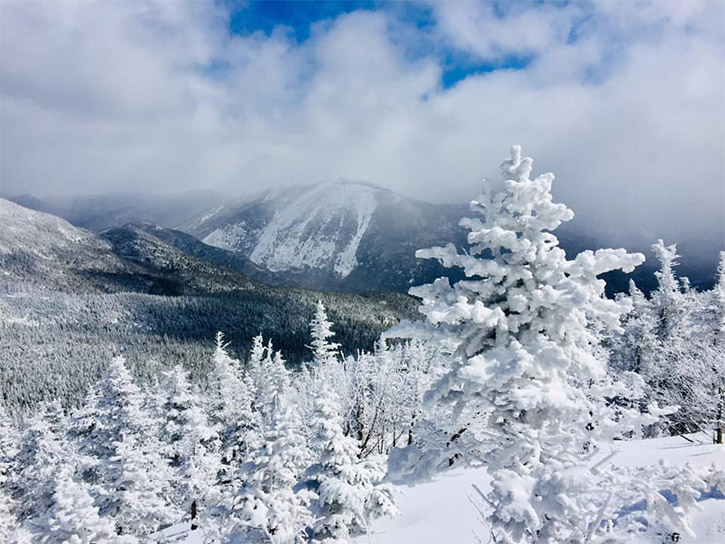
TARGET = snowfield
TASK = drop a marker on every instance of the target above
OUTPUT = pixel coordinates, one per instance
(441, 511)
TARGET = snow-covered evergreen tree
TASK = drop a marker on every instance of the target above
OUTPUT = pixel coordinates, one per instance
(230, 405)
(528, 322)
(43, 451)
(192, 445)
(133, 497)
(668, 300)
(73, 518)
(719, 302)
(131, 480)
(349, 489)
(270, 378)
(323, 350)
(268, 502)
(10, 529)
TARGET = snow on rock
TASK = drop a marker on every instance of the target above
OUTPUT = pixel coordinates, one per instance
(322, 228)
(228, 236)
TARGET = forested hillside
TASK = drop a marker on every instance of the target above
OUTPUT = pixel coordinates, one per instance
(70, 300)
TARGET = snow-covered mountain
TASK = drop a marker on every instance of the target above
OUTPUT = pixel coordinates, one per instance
(46, 251)
(345, 235)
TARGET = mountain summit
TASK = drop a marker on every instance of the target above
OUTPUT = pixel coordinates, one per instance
(345, 234)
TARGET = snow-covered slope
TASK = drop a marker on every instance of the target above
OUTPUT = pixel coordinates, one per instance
(341, 235)
(441, 511)
(49, 252)
(320, 229)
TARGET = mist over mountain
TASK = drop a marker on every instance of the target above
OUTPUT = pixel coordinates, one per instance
(342, 236)
(104, 211)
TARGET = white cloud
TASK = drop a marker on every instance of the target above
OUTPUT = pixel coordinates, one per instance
(158, 96)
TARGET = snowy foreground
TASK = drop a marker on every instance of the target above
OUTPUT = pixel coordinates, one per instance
(441, 511)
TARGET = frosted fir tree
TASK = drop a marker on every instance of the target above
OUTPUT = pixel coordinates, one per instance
(134, 498)
(323, 350)
(115, 407)
(268, 503)
(719, 303)
(73, 518)
(10, 529)
(192, 445)
(529, 322)
(349, 490)
(42, 451)
(270, 378)
(231, 397)
(131, 480)
(9, 444)
(668, 300)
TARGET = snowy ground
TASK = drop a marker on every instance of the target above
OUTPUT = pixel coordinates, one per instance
(440, 511)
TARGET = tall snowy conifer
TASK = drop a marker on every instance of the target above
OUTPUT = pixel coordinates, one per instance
(193, 445)
(323, 350)
(528, 322)
(74, 518)
(668, 299)
(231, 397)
(43, 451)
(121, 436)
(267, 502)
(349, 489)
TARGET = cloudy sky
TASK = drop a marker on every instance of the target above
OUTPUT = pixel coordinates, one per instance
(622, 100)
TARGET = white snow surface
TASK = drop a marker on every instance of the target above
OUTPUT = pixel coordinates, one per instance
(287, 243)
(441, 512)
(228, 236)
(41, 233)
(320, 229)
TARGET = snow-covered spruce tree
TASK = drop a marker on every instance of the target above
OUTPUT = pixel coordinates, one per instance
(230, 400)
(73, 517)
(669, 340)
(528, 322)
(192, 445)
(719, 303)
(349, 489)
(10, 529)
(267, 503)
(120, 436)
(323, 350)
(668, 300)
(42, 451)
(270, 378)
(9, 444)
(133, 497)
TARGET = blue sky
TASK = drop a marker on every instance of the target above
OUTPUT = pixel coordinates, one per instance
(623, 101)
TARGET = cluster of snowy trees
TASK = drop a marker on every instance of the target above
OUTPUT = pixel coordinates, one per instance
(54, 345)
(524, 367)
(675, 340)
(253, 452)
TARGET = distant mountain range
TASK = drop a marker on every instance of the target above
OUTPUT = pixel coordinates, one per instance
(339, 236)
